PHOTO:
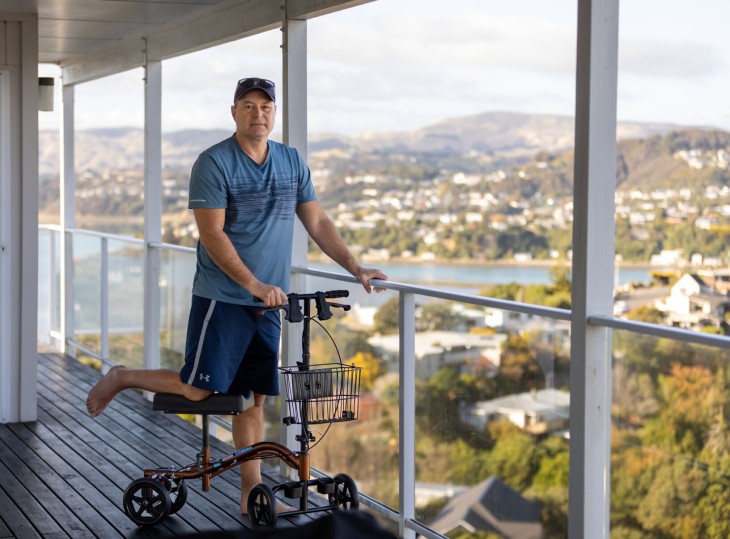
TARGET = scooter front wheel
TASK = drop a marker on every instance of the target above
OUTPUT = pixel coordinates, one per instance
(262, 506)
(345, 497)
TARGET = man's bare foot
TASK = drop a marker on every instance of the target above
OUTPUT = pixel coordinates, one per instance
(104, 392)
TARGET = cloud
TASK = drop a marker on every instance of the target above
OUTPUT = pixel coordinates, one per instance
(445, 62)
(453, 40)
(403, 64)
(666, 59)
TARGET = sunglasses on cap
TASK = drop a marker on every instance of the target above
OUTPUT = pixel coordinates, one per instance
(254, 83)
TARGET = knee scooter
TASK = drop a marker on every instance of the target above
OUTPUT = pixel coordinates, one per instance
(315, 394)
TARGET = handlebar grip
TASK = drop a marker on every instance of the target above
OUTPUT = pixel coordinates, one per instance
(337, 294)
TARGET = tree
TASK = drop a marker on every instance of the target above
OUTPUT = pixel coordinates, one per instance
(686, 393)
(644, 313)
(712, 509)
(553, 465)
(514, 459)
(438, 316)
(667, 507)
(509, 291)
(519, 364)
(371, 369)
(386, 319)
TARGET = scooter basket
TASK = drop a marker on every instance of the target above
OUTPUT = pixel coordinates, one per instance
(326, 393)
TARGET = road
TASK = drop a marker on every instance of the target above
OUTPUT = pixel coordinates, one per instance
(643, 296)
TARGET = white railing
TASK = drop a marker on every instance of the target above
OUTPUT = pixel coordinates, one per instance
(54, 285)
(409, 525)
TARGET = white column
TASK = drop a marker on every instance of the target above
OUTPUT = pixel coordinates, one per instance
(68, 218)
(407, 412)
(593, 266)
(7, 348)
(19, 223)
(104, 304)
(29, 226)
(152, 211)
(292, 99)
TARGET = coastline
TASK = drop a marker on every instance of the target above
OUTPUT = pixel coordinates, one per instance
(475, 276)
(508, 263)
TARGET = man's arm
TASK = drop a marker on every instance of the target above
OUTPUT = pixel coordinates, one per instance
(210, 223)
(324, 233)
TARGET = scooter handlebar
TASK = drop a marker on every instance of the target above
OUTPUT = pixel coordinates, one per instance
(293, 307)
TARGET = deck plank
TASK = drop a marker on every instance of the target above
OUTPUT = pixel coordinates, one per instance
(72, 514)
(25, 517)
(65, 474)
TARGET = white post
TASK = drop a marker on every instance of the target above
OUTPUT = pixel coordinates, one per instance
(293, 98)
(593, 266)
(53, 287)
(104, 302)
(8, 349)
(152, 211)
(407, 428)
(68, 219)
(28, 236)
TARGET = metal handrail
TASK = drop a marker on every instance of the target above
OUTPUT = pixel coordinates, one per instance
(666, 332)
(106, 235)
(438, 293)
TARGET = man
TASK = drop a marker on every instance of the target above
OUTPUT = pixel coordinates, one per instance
(244, 193)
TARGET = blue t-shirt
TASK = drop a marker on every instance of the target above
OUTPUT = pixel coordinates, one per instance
(260, 203)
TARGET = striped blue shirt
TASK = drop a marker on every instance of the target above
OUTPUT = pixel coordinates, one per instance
(260, 203)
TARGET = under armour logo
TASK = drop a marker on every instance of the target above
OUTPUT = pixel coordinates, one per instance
(205, 377)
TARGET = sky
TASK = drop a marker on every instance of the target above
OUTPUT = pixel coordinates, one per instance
(395, 65)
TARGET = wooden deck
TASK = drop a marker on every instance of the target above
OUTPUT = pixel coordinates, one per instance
(65, 474)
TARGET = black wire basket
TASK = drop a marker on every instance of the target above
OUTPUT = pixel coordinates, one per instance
(328, 393)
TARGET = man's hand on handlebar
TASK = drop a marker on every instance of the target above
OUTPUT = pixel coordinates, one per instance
(295, 302)
(270, 296)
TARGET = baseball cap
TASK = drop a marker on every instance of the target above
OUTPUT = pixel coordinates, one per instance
(254, 83)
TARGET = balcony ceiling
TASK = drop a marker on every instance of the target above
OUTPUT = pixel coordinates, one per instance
(70, 29)
(92, 38)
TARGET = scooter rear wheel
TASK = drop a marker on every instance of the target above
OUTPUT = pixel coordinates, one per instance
(146, 502)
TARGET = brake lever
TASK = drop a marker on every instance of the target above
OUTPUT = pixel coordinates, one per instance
(323, 307)
(294, 310)
(284, 308)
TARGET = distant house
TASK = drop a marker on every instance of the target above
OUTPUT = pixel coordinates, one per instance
(491, 506)
(692, 304)
(428, 492)
(437, 349)
(537, 412)
(549, 330)
(668, 258)
(719, 279)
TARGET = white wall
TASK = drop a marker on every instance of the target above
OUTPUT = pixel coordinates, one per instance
(18, 217)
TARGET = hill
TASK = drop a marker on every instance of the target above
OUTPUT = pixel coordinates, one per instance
(493, 139)
(505, 133)
(685, 158)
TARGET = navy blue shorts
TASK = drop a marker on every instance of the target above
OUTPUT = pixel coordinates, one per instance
(230, 349)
